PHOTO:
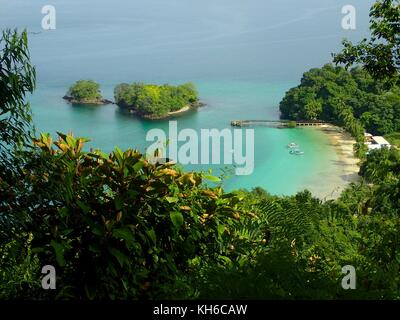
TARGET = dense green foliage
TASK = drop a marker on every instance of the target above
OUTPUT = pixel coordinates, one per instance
(18, 267)
(17, 78)
(393, 138)
(382, 166)
(85, 91)
(19, 270)
(380, 55)
(154, 101)
(359, 229)
(351, 99)
(361, 99)
(119, 227)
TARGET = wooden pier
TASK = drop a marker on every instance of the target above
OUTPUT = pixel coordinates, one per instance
(277, 123)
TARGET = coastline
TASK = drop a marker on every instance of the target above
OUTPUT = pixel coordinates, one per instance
(88, 102)
(347, 164)
(185, 109)
(169, 114)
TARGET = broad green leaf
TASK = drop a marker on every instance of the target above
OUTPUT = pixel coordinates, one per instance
(137, 166)
(85, 208)
(212, 178)
(221, 229)
(225, 260)
(151, 233)
(172, 199)
(126, 172)
(59, 250)
(122, 258)
(119, 154)
(71, 141)
(123, 233)
(176, 218)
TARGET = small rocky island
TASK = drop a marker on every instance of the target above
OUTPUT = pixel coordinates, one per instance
(150, 101)
(86, 92)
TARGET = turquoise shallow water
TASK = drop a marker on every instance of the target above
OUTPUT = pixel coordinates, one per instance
(275, 169)
(243, 57)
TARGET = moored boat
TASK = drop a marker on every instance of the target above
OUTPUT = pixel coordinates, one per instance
(292, 145)
(296, 152)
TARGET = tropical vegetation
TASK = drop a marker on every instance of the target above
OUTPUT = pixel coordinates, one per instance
(117, 226)
(347, 98)
(85, 92)
(155, 101)
(366, 97)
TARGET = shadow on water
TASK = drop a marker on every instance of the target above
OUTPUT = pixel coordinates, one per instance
(87, 108)
(147, 124)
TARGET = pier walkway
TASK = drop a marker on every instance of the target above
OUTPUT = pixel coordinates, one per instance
(277, 123)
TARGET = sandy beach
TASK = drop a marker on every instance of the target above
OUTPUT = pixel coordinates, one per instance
(184, 109)
(346, 166)
(168, 115)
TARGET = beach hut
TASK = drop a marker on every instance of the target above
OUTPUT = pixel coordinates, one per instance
(378, 142)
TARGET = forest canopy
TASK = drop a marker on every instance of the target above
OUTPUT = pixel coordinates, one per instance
(154, 101)
(343, 97)
(85, 91)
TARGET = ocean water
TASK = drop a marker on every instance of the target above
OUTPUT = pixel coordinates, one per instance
(242, 55)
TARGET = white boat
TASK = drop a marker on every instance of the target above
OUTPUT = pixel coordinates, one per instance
(296, 152)
(292, 145)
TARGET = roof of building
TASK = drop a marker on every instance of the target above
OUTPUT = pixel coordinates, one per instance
(381, 140)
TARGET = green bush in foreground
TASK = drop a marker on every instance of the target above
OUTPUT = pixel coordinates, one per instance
(19, 270)
(116, 226)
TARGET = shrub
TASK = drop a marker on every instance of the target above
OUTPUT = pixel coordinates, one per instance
(19, 270)
(85, 90)
(116, 226)
(154, 101)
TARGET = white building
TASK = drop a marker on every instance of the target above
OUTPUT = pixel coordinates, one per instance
(376, 142)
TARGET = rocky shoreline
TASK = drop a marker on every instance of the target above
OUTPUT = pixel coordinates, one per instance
(87, 102)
